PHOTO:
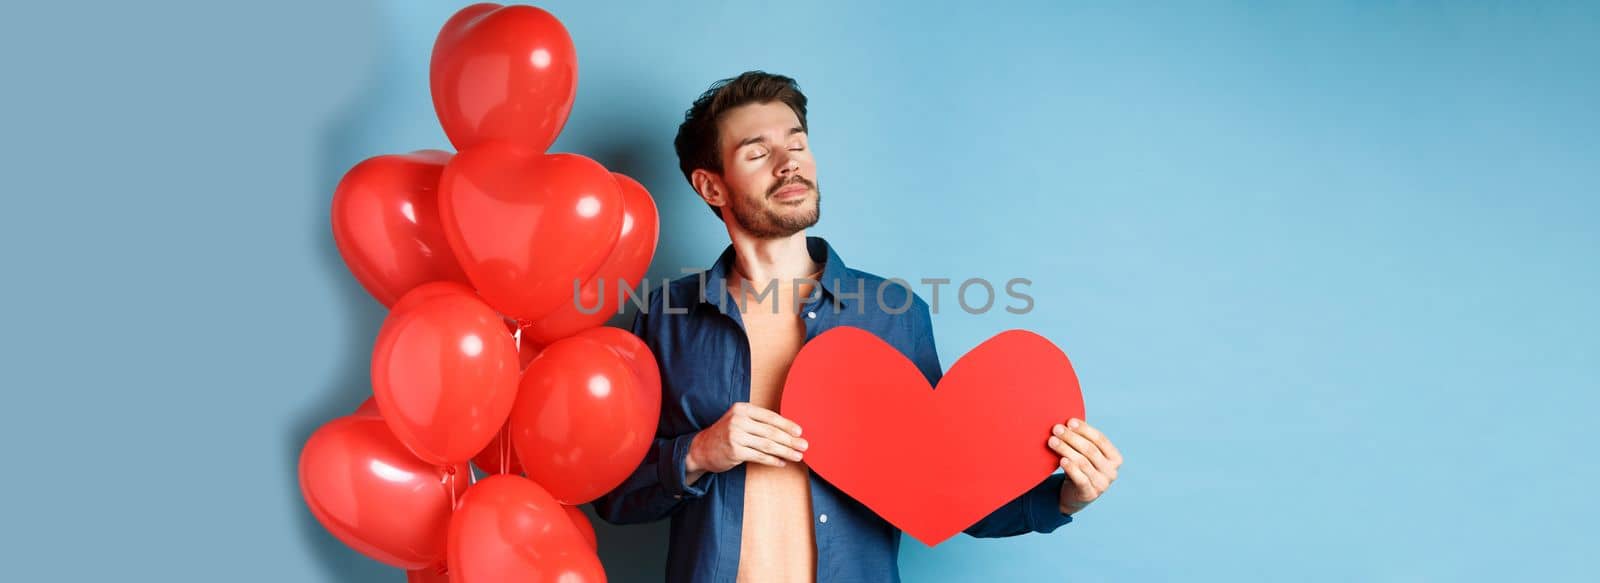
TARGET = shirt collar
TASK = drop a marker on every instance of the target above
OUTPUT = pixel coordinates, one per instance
(835, 276)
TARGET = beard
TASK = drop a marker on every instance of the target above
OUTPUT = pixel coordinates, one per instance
(767, 221)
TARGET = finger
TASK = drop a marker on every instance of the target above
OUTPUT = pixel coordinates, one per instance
(1080, 482)
(754, 456)
(771, 418)
(1062, 449)
(1068, 455)
(749, 424)
(778, 449)
(775, 434)
(1089, 450)
(1100, 440)
(1097, 478)
(769, 446)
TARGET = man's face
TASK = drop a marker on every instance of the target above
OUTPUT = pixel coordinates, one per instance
(768, 170)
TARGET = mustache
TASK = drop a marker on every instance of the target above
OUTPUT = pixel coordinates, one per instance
(796, 179)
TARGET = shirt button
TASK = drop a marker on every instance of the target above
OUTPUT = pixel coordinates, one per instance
(812, 315)
(823, 518)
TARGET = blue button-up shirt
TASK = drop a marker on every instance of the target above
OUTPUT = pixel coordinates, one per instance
(694, 328)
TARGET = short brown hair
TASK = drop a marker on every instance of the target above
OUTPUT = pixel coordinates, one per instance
(697, 136)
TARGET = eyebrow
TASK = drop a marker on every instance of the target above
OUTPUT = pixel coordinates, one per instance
(759, 139)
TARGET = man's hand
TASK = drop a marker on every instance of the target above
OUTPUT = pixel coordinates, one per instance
(746, 433)
(1090, 462)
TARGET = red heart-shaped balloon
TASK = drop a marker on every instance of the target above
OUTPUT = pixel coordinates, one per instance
(585, 415)
(366, 488)
(503, 73)
(526, 226)
(386, 224)
(931, 462)
(444, 372)
(510, 529)
(636, 245)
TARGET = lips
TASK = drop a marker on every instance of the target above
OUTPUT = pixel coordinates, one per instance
(792, 191)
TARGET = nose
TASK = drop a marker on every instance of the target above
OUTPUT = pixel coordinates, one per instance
(788, 166)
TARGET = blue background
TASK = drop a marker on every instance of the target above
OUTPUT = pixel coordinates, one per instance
(1327, 270)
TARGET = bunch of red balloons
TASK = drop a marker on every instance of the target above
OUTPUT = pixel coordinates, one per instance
(485, 356)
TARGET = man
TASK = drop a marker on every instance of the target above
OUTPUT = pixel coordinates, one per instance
(726, 467)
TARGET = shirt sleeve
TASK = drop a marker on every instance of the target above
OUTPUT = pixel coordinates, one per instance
(1038, 509)
(656, 488)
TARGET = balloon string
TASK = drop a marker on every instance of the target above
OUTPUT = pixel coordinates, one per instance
(505, 448)
(450, 478)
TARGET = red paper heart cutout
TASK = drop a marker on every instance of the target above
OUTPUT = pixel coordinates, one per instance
(931, 462)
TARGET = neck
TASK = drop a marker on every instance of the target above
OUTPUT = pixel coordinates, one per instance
(784, 259)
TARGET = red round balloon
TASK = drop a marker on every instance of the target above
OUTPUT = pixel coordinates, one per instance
(367, 489)
(525, 226)
(634, 351)
(445, 376)
(583, 419)
(422, 293)
(386, 224)
(503, 73)
(411, 299)
(508, 528)
(585, 528)
(636, 245)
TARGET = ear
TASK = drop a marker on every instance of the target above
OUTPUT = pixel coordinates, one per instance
(710, 187)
